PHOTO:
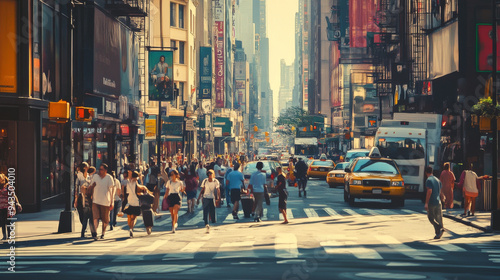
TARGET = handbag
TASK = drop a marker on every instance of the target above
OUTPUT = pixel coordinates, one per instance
(266, 196)
(164, 204)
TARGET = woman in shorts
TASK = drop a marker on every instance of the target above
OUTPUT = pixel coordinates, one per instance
(173, 195)
(134, 190)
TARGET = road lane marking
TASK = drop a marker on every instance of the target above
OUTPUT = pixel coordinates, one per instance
(285, 246)
(351, 212)
(411, 212)
(333, 246)
(289, 213)
(229, 219)
(310, 213)
(186, 253)
(331, 212)
(195, 220)
(396, 245)
(241, 249)
(155, 245)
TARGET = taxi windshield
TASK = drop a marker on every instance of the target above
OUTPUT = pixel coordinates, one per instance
(322, 163)
(375, 166)
(341, 166)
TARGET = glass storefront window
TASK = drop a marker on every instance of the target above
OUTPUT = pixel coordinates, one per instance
(8, 146)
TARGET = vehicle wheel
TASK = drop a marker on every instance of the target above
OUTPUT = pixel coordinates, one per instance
(331, 185)
(398, 202)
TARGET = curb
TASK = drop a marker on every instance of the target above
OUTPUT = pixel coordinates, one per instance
(468, 223)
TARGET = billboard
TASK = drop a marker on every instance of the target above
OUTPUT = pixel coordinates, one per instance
(361, 15)
(219, 17)
(8, 46)
(205, 91)
(161, 69)
(150, 127)
(484, 48)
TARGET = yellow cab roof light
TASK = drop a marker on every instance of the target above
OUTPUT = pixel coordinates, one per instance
(374, 153)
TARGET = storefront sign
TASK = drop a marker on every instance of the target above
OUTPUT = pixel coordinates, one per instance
(8, 46)
(205, 90)
(484, 48)
(150, 127)
(219, 53)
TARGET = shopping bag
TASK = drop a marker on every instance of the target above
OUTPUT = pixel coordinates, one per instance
(164, 204)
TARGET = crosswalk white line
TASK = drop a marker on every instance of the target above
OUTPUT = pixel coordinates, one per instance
(229, 219)
(195, 220)
(331, 212)
(449, 247)
(411, 212)
(351, 212)
(186, 253)
(264, 215)
(332, 247)
(153, 246)
(310, 213)
(242, 249)
(285, 246)
(289, 213)
(407, 250)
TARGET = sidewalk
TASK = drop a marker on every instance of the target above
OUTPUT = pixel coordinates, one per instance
(481, 219)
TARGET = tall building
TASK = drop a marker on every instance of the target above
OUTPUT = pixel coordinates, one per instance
(287, 83)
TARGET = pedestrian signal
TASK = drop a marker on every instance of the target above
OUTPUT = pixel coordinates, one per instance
(84, 114)
(266, 133)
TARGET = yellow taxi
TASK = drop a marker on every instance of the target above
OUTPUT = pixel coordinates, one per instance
(320, 168)
(336, 176)
(374, 177)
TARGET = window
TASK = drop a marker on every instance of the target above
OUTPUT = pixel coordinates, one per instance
(181, 16)
(173, 44)
(172, 14)
(375, 166)
(191, 21)
(181, 52)
(181, 91)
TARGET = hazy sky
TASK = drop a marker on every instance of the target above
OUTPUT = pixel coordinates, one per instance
(281, 33)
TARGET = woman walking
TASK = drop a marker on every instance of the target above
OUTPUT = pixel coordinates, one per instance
(191, 181)
(447, 179)
(469, 181)
(5, 212)
(83, 202)
(210, 191)
(133, 190)
(173, 195)
(283, 194)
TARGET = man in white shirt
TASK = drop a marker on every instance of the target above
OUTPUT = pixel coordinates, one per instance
(102, 198)
(219, 175)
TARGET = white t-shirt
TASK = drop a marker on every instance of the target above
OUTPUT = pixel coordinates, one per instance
(132, 198)
(103, 190)
(118, 186)
(210, 188)
(218, 168)
(174, 187)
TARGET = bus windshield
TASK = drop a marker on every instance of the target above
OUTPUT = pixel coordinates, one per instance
(401, 148)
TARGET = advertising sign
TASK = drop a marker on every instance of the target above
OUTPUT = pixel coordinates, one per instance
(8, 46)
(150, 127)
(161, 70)
(205, 91)
(484, 51)
(361, 14)
(219, 65)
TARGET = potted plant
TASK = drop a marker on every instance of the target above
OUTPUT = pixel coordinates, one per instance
(486, 110)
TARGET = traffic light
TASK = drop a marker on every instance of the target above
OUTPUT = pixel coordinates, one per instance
(315, 127)
(59, 111)
(311, 127)
(255, 128)
(84, 114)
(266, 133)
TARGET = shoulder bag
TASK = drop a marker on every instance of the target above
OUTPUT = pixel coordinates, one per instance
(266, 195)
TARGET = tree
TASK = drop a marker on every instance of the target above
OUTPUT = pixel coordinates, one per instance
(293, 117)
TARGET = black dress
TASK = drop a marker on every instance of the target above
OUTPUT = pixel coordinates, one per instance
(283, 194)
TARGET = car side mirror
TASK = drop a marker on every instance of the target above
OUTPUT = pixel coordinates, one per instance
(347, 170)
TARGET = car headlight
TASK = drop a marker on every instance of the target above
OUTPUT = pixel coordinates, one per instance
(356, 182)
(331, 175)
(397, 183)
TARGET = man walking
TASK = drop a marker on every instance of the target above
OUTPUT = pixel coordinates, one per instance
(102, 198)
(301, 175)
(219, 175)
(256, 185)
(236, 185)
(433, 202)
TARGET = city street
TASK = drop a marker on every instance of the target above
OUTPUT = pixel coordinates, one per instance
(326, 239)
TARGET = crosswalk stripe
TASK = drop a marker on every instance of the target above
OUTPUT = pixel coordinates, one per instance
(242, 249)
(351, 212)
(186, 253)
(155, 245)
(332, 246)
(407, 250)
(331, 212)
(310, 213)
(195, 220)
(450, 247)
(229, 219)
(264, 215)
(411, 212)
(289, 213)
(285, 246)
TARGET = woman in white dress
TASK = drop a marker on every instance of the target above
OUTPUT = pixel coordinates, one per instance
(174, 188)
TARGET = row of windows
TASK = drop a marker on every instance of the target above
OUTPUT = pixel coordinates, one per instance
(177, 12)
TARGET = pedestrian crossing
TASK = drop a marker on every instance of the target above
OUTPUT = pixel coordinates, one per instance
(281, 246)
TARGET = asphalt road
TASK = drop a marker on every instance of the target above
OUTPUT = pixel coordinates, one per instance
(326, 239)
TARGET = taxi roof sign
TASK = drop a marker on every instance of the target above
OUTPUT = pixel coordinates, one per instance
(374, 153)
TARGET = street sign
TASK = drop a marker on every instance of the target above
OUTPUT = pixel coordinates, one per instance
(190, 125)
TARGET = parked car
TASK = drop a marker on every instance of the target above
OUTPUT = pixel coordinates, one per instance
(336, 176)
(355, 153)
(374, 177)
(270, 169)
(320, 168)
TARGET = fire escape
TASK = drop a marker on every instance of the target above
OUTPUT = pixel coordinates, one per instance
(416, 19)
(385, 48)
(135, 14)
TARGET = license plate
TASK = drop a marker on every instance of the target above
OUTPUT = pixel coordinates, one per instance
(322, 169)
(377, 191)
(339, 175)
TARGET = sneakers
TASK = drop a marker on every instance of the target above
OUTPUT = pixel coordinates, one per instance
(438, 236)
(257, 219)
(94, 235)
(148, 230)
(102, 236)
(208, 228)
(131, 232)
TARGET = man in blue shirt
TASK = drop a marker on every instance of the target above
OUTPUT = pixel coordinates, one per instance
(256, 184)
(236, 185)
(433, 202)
